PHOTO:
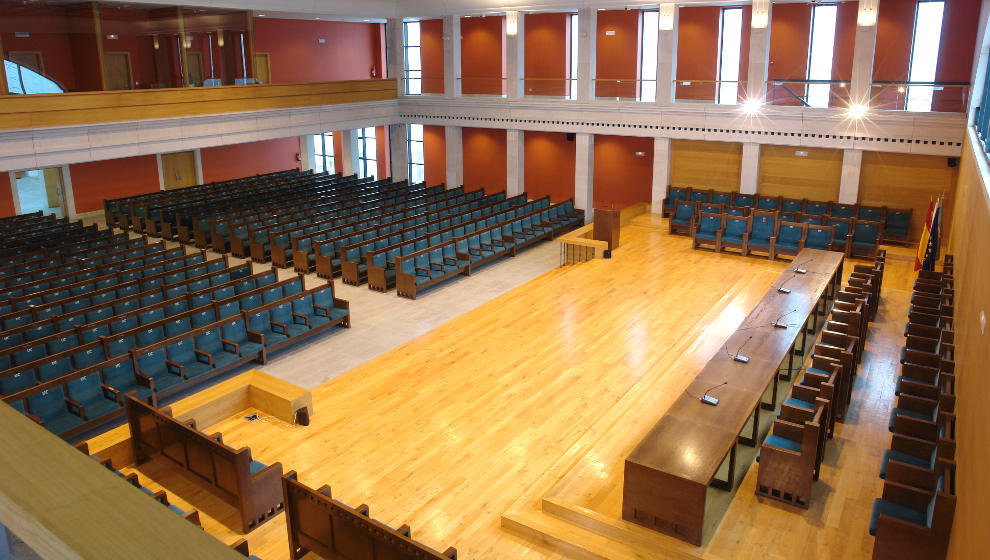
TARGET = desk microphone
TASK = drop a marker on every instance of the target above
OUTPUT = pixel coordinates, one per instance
(737, 356)
(708, 399)
(782, 289)
(777, 324)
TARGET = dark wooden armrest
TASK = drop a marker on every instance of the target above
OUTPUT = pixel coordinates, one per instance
(193, 517)
(225, 342)
(300, 316)
(217, 437)
(201, 354)
(405, 531)
(451, 553)
(363, 509)
(277, 325)
(906, 496)
(179, 370)
(161, 497)
(452, 260)
(341, 304)
(241, 546)
(35, 418)
(483, 244)
(133, 480)
(71, 403)
(255, 337)
(111, 393)
(439, 264)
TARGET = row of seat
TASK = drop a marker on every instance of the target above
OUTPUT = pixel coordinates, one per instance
(913, 517)
(777, 233)
(459, 255)
(791, 455)
(895, 223)
(327, 252)
(89, 389)
(42, 265)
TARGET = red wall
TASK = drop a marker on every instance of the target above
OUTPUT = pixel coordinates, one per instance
(431, 47)
(435, 155)
(618, 55)
(6, 195)
(549, 165)
(131, 27)
(484, 159)
(338, 149)
(94, 181)
(697, 51)
(547, 40)
(955, 62)
(621, 177)
(482, 55)
(790, 33)
(253, 158)
(384, 155)
(295, 55)
(842, 53)
(48, 27)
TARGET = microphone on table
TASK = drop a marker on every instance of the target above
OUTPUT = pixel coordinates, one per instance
(708, 399)
(782, 289)
(737, 356)
(777, 324)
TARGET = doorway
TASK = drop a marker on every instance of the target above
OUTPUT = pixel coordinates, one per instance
(194, 63)
(117, 66)
(179, 170)
(41, 189)
(28, 59)
(262, 69)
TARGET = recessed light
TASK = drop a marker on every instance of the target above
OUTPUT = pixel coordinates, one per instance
(261, 15)
(317, 17)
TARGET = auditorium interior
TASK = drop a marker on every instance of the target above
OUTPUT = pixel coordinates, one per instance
(488, 280)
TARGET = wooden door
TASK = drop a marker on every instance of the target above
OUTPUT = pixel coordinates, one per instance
(53, 186)
(179, 170)
(194, 65)
(262, 69)
(117, 66)
(27, 59)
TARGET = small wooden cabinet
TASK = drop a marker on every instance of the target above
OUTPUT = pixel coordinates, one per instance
(607, 227)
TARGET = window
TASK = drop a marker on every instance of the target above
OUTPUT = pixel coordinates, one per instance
(572, 54)
(21, 79)
(367, 152)
(417, 163)
(323, 152)
(820, 57)
(729, 45)
(414, 61)
(648, 56)
(924, 54)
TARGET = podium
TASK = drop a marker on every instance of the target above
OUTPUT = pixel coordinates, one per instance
(606, 227)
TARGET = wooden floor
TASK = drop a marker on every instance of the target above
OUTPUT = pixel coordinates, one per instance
(520, 413)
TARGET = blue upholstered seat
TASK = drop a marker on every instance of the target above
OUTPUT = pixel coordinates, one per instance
(50, 406)
(683, 214)
(183, 353)
(818, 238)
(152, 363)
(901, 457)
(209, 341)
(88, 391)
(783, 443)
(763, 226)
(236, 332)
(121, 377)
(897, 222)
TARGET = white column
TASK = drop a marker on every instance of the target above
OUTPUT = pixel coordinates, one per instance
(667, 54)
(451, 56)
(852, 162)
(862, 70)
(455, 156)
(395, 54)
(398, 152)
(587, 49)
(515, 58)
(661, 173)
(759, 53)
(750, 174)
(349, 164)
(515, 162)
(584, 174)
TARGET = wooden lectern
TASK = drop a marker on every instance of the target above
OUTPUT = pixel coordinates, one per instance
(606, 227)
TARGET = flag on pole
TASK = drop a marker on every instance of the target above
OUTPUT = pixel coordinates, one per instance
(928, 245)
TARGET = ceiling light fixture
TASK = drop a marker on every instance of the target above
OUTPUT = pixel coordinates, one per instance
(857, 111)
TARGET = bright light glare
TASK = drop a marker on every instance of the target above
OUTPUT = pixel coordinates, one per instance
(648, 59)
(728, 65)
(924, 55)
(822, 43)
(752, 106)
(857, 111)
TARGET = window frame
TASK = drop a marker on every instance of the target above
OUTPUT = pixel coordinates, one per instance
(329, 161)
(363, 160)
(811, 45)
(914, 38)
(642, 59)
(721, 52)
(421, 165)
(406, 47)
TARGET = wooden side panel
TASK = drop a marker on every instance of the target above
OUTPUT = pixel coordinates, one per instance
(908, 181)
(968, 244)
(709, 165)
(816, 176)
(179, 170)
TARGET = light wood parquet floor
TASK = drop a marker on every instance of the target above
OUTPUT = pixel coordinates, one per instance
(541, 392)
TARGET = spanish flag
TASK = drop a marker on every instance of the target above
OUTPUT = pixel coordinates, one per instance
(928, 246)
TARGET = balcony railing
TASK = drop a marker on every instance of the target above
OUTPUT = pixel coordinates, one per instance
(923, 97)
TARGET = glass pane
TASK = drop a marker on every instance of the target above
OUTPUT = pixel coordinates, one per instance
(318, 144)
(371, 168)
(369, 132)
(414, 87)
(331, 166)
(412, 33)
(416, 152)
(370, 148)
(416, 132)
(416, 173)
(820, 66)
(360, 146)
(728, 72)
(648, 66)
(924, 54)
(572, 93)
(328, 143)
(318, 165)
(413, 61)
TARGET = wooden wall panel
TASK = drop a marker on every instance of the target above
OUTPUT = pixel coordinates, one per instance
(815, 177)
(907, 181)
(972, 272)
(710, 165)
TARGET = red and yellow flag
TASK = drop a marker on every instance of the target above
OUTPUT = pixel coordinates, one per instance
(928, 245)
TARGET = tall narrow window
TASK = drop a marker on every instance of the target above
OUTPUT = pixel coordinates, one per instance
(368, 152)
(648, 56)
(417, 162)
(820, 57)
(572, 55)
(729, 44)
(414, 62)
(323, 150)
(924, 54)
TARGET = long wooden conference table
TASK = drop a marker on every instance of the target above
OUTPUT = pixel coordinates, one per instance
(667, 476)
